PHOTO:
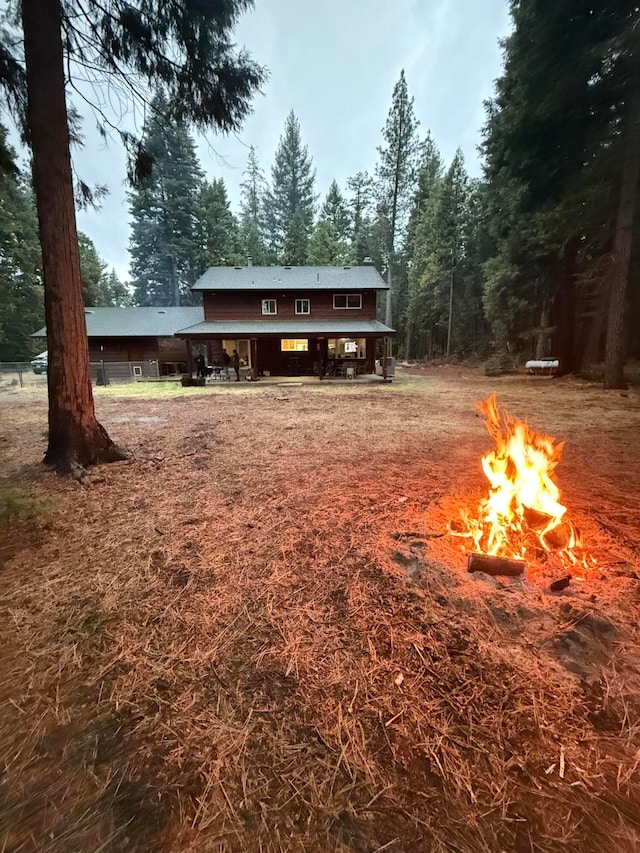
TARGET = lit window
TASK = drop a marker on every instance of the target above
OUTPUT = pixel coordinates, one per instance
(347, 300)
(303, 306)
(269, 306)
(294, 345)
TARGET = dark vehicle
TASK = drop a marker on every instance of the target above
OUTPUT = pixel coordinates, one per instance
(40, 363)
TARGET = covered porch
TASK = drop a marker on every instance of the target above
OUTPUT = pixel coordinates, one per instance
(325, 349)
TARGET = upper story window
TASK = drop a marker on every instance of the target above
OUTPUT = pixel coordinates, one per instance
(347, 300)
(269, 306)
(303, 306)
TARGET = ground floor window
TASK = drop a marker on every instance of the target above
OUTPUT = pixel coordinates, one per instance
(294, 345)
(347, 347)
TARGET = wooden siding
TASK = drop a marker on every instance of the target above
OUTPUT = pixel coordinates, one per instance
(243, 305)
(138, 349)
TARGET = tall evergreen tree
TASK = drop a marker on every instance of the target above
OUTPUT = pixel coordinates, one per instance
(166, 209)
(446, 305)
(92, 270)
(365, 235)
(325, 246)
(329, 242)
(21, 291)
(420, 229)
(554, 159)
(221, 232)
(185, 47)
(334, 210)
(252, 190)
(624, 56)
(396, 175)
(290, 201)
(100, 288)
(120, 295)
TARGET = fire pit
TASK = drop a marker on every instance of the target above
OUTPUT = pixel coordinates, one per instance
(522, 519)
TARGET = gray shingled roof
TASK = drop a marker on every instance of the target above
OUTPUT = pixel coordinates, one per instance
(136, 322)
(291, 278)
(307, 328)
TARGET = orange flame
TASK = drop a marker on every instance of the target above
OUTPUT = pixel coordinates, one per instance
(522, 517)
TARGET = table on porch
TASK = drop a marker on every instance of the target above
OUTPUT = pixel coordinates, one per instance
(348, 367)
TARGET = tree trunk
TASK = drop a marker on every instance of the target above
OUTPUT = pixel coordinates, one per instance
(75, 436)
(592, 351)
(409, 339)
(616, 338)
(542, 338)
(565, 312)
(388, 312)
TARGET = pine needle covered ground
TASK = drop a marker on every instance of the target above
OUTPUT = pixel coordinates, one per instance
(252, 636)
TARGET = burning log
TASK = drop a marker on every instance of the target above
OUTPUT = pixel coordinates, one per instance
(560, 584)
(492, 565)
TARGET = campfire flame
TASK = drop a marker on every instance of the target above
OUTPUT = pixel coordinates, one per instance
(522, 517)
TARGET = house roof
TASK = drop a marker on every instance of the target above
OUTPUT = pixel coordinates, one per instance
(136, 322)
(364, 277)
(305, 328)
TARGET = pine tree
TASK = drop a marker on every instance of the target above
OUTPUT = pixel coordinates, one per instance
(445, 276)
(92, 269)
(329, 242)
(325, 246)
(420, 228)
(290, 201)
(21, 292)
(185, 47)
(335, 211)
(99, 287)
(221, 232)
(296, 240)
(365, 236)
(120, 295)
(166, 247)
(555, 143)
(396, 175)
(252, 190)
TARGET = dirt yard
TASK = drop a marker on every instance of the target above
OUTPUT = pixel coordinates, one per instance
(256, 635)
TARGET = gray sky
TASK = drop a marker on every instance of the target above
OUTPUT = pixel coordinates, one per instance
(335, 64)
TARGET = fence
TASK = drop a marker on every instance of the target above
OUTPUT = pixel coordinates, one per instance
(20, 374)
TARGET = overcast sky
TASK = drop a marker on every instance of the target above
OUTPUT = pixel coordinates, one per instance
(335, 64)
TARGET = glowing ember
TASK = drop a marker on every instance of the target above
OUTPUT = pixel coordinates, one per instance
(522, 515)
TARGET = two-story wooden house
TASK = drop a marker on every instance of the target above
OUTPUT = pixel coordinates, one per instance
(289, 321)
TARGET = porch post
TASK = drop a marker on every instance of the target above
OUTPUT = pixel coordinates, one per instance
(370, 344)
(385, 357)
(189, 357)
(253, 348)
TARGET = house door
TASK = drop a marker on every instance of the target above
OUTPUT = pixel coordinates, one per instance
(244, 351)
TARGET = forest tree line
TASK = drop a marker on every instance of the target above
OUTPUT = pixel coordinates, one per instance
(535, 258)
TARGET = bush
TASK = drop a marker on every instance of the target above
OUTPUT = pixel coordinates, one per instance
(498, 364)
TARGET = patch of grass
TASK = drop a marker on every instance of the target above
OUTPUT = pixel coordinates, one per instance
(161, 390)
(14, 504)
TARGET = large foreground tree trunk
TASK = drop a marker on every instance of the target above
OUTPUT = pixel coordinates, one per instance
(75, 436)
(615, 351)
